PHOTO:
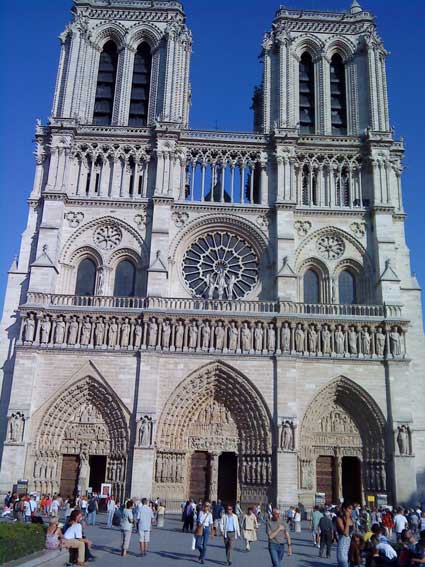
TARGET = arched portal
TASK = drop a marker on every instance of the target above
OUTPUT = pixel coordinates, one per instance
(342, 444)
(81, 439)
(215, 426)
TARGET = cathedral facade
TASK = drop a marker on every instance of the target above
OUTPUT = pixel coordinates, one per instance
(215, 314)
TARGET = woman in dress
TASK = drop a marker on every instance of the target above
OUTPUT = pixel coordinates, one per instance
(344, 528)
(53, 535)
(204, 522)
(250, 527)
(297, 520)
(127, 523)
(160, 515)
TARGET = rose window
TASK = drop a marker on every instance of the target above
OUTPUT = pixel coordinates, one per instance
(330, 247)
(220, 266)
(107, 236)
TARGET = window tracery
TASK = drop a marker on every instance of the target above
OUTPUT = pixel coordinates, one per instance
(105, 89)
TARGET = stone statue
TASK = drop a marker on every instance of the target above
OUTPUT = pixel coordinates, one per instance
(210, 286)
(29, 328)
(258, 337)
(326, 340)
(231, 286)
(287, 436)
(145, 432)
(83, 473)
(60, 331)
(352, 340)
(193, 336)
(219, 336)
(299, 338)
(333, 289)
(286, 338)
(312, 339)
(153, 333)
(45, 330)
(73, 331)
(233, 337)
(166, 334)
(306, 475)
(179, 335)
(365, 341)
(339, 340)
(246, 337)
(395, 342)
(85, 331)
(403, 440)
(125, 333)
(113, 333)
(380, 342)
(271, 338)
(16, 428)
(100, 281)
(138, 332)
(99, 332)
(221, 284)
(206, 335)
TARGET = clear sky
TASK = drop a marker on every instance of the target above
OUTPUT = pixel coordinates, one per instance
(227, 37)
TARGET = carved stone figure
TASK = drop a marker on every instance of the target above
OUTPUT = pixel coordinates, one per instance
(85, 331)
(299, 338)
(352, 340)
(145, 432)
(221, 284)
(83, 473)
(380, 342)
(179, 335)
(230, 286)
(113, 333)
(233, 337)
(395, 342)
(312, 339)
(258, 337)
(246, 337)
(286, 338)
(326, 340)
(16, 428)
(403, 440)
(210, 285)
(166, 334)
(339, 340)
(45, 330)
(193, 336)
(125, 333)
(138, 332)
(60, 331)
(219, 336)
(287, 436)
(365, 341)
(29, 328)
(206, 335)
(306, 475)
(99, 332)
(153, 333)
(271, 338)
(73, 331)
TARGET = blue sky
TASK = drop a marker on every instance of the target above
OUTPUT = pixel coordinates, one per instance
(227, 37)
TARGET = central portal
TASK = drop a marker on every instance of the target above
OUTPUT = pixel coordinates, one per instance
(228, 478)
(97, 471)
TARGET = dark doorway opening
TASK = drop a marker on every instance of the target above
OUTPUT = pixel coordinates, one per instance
(326, 478)
(97, 471)
(351, 479)
(200, 476)
(69, 475)
(228, 478)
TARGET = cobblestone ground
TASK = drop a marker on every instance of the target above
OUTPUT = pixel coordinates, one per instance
(169, 546)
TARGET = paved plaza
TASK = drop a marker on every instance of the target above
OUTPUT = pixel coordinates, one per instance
(169, 546)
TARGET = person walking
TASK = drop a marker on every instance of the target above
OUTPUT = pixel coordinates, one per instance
(297, 520)
(188, 516)
(160, 515)
(315, 519)
(344, 528)
(400, 523)
(127, 523)
(145, 526)
(250, 527)
(204, 522)
(277, 534)
(230, 529)
(217, 514)
(110, 508)
(92, 508)
(326, 535)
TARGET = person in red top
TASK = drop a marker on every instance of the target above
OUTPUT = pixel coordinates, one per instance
(388, 523)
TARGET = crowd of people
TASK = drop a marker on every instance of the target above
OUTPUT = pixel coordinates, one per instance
(362, 536)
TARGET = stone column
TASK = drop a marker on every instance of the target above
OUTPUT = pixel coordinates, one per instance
(214, 457)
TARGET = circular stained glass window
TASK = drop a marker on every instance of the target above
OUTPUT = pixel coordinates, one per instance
(220, 266)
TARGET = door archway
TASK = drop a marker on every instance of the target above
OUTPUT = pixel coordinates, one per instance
(216, 410)
(343, 425)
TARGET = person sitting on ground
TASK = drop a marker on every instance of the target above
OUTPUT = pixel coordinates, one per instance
(53, 535)
(355, 551)
(73, 536)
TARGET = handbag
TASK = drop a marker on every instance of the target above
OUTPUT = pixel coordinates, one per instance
(199, 530)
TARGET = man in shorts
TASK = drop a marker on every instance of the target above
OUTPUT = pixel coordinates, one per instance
(145, 525)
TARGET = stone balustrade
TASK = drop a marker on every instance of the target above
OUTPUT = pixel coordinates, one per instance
(225, 327)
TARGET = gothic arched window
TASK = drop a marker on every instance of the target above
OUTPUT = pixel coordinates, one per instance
(86, 278)
(338, 96)
(307, 114)
(105, 90)
(139, 102)
(311, 287)
(125, 278)
(347, 288)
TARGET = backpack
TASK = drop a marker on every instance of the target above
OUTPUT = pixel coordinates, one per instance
(116, 518)
(92, 506)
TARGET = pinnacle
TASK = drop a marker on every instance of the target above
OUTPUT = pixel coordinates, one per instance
(355, 7)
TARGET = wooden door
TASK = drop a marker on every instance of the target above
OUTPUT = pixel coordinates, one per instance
(325, 477)
(69, 475)
(200, 476)
(228, 478)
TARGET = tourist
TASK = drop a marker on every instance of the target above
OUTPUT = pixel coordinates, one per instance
(388, 523)
(160, 515)
(422, 522)
(92, 508)
(127, 523)
(54, 511)
(110, 509)
(250, 527)
(82, 504)
(297, 520)
(277, 534)
(47, 504)
(355, 551)
(400, 523)
(315, 519)
(204, 522)
(217, 513)
(345, 528)
(326, 535)
(53, 535)
(290, 518)
(145, 526)
(419, 550)
(188, 516)
(7, 500)
(27, 511)
(230, 528)
(73, 536)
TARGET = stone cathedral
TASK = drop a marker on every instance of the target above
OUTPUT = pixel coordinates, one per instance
(210, 313)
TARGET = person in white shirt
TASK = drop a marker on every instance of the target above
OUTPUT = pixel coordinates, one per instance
(111, 507)
(400, 523)
(27, 511)
(73, 537)
(55, 507)
(230, 530)
(387, 551)
(204, 522)
(145, 514)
